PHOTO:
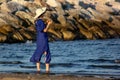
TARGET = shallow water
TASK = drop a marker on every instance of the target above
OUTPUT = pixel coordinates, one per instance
(75, 57)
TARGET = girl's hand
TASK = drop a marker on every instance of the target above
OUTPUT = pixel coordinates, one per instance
(49, 22)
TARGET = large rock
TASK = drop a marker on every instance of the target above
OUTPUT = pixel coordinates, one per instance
(26, 17)
(11, 7)
(21, 2)
(68, 35)
(52, 3)
(9, 18)
(2, 22)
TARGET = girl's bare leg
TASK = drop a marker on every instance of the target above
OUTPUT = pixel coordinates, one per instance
(38, 66)
(47, 67)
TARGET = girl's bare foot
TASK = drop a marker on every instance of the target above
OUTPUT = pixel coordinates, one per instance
(47, 71)
(38, 72)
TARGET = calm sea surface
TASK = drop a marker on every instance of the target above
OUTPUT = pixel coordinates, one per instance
(74, 57)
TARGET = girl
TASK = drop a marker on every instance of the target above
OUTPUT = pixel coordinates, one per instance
(42, 40)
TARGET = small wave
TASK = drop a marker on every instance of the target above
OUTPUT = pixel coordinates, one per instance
(23, 66)
(95, 60)
(106, 66)
(62, 65)
(111, 44)
(90, 44)
(13, 56)
(101, 60)
(11, 62)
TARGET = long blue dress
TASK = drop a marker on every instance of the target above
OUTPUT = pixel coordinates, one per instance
(42, 43)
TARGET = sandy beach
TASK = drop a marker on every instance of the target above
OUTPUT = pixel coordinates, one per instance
(31, 76)
(14, 76)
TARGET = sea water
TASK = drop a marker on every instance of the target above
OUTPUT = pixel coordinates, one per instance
(73, 57)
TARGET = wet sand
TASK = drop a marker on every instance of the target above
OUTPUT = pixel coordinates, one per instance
(24, 76)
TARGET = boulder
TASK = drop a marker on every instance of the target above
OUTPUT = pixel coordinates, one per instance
(2, 22)
(4, 7)
(68, 35)
(20, 2)
(11, 7)
(3, 38)
(26, 17)
(52, 3)
(102, 8)
(1, 1)
(62, 20)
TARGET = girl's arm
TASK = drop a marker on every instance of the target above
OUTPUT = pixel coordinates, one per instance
(47, 26)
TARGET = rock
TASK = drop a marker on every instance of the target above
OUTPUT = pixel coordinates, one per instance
(1, 1)
(42, 3)
(76, 2)
(97, 32)
(12, 7)
(4, 8)
(26, 17)
(98, 16)
(86, 14)
(62, 20)
(31, 8)
(5, 32)
(59, 9)
(103, 8)
(17, 36)
(26, 34)
(3, 38)
(86, 33)
(52, 3)
(56, 30)
(115, 5)
(10, 19)
(2, 22)
(20, 2)
(115, 22)
(55, 35)
(6, 29)
(68, 35)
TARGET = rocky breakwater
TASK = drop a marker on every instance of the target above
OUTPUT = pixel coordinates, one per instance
(72, 19)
